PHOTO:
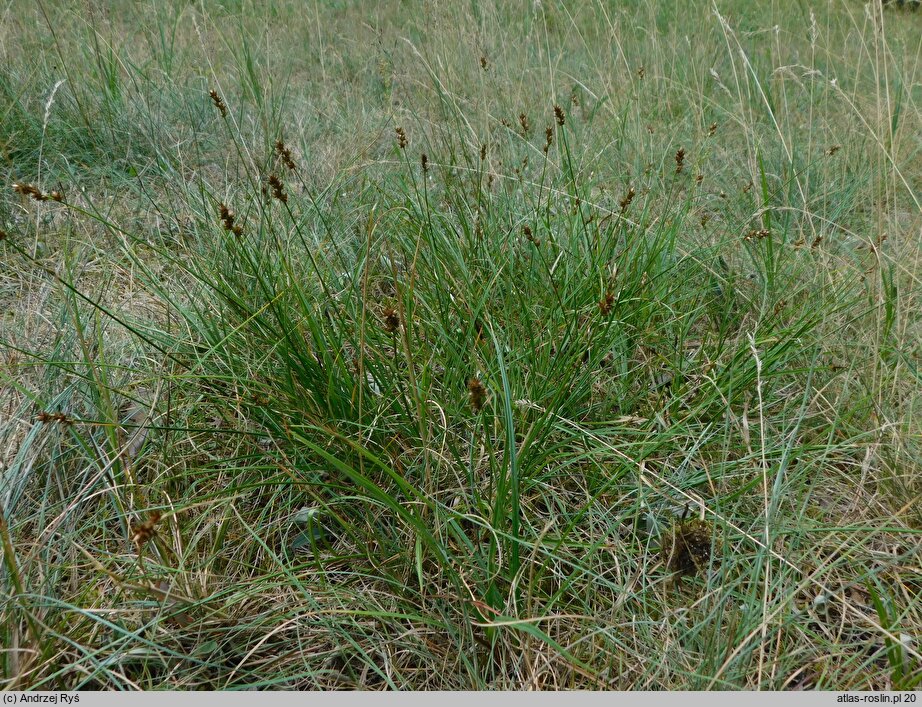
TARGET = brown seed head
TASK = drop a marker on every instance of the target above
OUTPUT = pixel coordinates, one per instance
(478, 394)
(757, 234)
(401, 137)
(483, 152)
(712, 129)
(484, 63)
(679, 159)
(285, 153)
(227, 220)
(529, 236)
(628, 198)
(526, 126)
(31, 191)
(605, 304)
(641, 72)
(218, 102)
(558, 115)
(278, 189)
(424, 161)
(141, 533)
(833, 150)
(59, 417)
(548, 138)
(391, 320)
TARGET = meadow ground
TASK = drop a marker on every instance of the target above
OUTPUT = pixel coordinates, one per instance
(527, 344)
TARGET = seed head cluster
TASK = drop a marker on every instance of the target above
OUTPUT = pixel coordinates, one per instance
(218, 102)
(227, 220)
(33, 192)
(402, 141)
(278, 189)
(529, 236)
(757, 235)
(628, 198)
(605, 304)
(142, 533)
(284, 152)
(58, 417)
(523, 122)
(548, 138)
(559, 116)
(391, 320)
(478, 393)
(679, 160)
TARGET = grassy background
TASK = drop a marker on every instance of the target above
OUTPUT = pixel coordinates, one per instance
(619, 395)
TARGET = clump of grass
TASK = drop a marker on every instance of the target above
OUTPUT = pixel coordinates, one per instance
(630, 341)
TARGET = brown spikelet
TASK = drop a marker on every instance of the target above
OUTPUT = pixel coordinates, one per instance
(484, 64)
(483, 152)
(628, 198)
(50, 417)
(227, 220)
(142, 533)
(641, 72)
(278, 189)
(478, 394)
(424, 161)
(523, 122)
(30, 190)
(833, 150)
(712, 128)
(679, 160)
(402, 141)
(285, 153)
(548, 138)
(391, 320)
(757, 234)
(605, 304)
(559, 116)
(529, 236)
(218, 102)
